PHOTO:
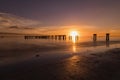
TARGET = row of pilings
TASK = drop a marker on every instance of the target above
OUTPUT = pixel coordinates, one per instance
(56, 37)
(107, 37)
(75, 38)
(62, 37)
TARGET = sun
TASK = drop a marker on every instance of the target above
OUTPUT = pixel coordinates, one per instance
(74, 33)
(74, 36)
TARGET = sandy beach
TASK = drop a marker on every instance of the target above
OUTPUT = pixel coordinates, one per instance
(95, 66)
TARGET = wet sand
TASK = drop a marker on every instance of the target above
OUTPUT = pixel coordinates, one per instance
(94, 66)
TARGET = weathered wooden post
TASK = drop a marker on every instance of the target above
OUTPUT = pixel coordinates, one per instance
(94, 37)
(59, 37)
(52, 37)
(64, 37)
(77, 37)
(55, 37)
(107, 39)
(25, 37)
(107, 36)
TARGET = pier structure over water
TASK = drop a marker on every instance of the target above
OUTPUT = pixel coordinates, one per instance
(107, 37)
(56, 37)
(73, 37)
(94, 37)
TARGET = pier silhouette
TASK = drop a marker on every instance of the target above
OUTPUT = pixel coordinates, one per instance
(107, 39)
(56, 37)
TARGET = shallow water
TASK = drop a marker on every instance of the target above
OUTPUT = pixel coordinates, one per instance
(16, 49)
(46, 59)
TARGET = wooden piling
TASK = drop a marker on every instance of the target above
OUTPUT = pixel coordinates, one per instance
(56, 37)
(94, 37)
(107, 36)
(64, 37)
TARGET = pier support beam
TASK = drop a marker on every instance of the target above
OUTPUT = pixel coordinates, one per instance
(64, 37)
(56, 37)
(107, 36)
(94, 37)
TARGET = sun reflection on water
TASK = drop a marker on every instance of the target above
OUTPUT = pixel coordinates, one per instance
(72, 68)
(74, 39)
(74, 48)
(74, 36)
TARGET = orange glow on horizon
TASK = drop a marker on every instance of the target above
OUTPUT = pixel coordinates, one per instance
(74, 35)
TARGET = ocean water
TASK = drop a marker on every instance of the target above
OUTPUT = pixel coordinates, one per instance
(14, 49)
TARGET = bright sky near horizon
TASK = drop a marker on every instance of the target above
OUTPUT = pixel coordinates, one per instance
(86, 16)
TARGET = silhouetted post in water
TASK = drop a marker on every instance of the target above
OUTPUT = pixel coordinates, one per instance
(94, 37)
(55, 37)
(26, 37)
(52, 37)
(64, 37)
(94, 40)
(77, 37)
(107, 36)
(107, 39)
(59, 37)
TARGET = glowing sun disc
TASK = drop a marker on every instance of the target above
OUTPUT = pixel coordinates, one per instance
(73, 33)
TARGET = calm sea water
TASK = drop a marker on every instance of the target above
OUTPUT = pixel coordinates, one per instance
(16, 48)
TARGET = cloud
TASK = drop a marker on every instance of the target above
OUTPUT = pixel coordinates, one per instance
(14, 27)
(7, 20)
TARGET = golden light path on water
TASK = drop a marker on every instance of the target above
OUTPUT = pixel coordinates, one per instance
(72, 65)
(74, 48)
(74, 36)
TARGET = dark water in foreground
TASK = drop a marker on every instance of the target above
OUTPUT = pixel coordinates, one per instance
(15, 49)
(42, 59)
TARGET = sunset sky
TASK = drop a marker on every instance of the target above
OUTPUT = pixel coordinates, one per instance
(85, 16)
